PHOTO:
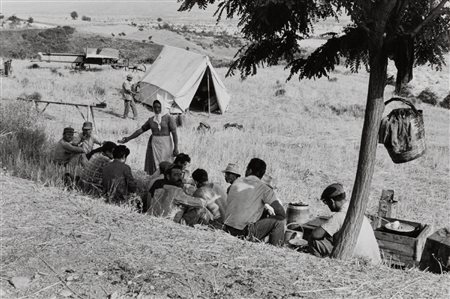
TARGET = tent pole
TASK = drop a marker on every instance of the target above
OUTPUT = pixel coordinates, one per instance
(209, 98)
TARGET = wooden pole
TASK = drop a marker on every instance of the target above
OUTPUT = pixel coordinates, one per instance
(209, 97)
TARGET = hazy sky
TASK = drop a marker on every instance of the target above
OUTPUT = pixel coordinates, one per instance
(138, 8)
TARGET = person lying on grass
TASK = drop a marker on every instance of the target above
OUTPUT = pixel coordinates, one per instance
(322, 240)
(92, 174)
(172, 202)
(118, 182)
(65, 152)
(245, 206)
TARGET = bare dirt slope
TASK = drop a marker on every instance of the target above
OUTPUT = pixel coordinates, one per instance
(71, 245)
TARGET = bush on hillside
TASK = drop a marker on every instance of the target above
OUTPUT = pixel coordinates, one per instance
(33, 66)
(86, 18)
(429, 97)
(30, 20)
(159, 19)
(27, 137)
(74, 15)
(445, 102)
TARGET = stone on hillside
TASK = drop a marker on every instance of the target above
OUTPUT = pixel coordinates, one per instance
(66, 293)
(20, 282)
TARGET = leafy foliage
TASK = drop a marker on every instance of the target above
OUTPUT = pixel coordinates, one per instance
(274, 28)
(74, 15)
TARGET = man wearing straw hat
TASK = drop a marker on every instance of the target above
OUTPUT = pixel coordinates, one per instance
(245, 206)
(231, 174)
(321, 242)
(128, 99)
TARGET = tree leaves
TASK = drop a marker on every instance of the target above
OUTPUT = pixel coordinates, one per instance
(274, 28)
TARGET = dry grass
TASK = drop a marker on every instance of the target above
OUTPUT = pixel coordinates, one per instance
(98, 250)
(306, 145)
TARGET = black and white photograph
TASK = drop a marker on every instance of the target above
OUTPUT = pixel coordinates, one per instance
(224, 149)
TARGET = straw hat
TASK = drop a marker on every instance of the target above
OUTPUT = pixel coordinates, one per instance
(232, 168)
(269, 181)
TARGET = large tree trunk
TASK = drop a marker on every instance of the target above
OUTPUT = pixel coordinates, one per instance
(349, 232)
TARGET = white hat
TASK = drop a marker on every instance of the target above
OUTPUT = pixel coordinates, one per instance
(232, 168)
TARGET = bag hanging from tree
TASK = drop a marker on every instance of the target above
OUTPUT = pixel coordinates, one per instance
(402, 132)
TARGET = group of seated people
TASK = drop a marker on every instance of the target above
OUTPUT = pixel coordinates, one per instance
(248, 209)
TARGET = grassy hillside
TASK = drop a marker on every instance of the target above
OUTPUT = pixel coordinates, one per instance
(73, 246)
(309, 137)
(24, 44)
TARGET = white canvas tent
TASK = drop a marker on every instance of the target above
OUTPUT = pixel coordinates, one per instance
(183, 80)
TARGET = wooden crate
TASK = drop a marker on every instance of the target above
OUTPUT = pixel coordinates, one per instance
(403, 250)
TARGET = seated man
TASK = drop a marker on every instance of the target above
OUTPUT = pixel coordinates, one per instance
(92, 175)
(65, 152)
(211, 193)
(182, 160)
(86, 139)
(245, 206)
(321, 243)
(231, 174)
(157, 183)
(118, 181)
(171, 201)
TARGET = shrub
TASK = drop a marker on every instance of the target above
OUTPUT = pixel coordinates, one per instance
(30, 20)
(36, 96)
(429, 97)
(27, 136)
(85, 18)
(445, 102)
(159, 19)
(74, 15)
(354, 110)
(150, 37)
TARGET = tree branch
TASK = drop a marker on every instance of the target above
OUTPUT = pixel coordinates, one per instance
(435, 12)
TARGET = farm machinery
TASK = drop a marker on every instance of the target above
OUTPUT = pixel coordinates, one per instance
(98, 56)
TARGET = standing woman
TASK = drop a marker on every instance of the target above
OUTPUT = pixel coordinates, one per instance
(161, 145)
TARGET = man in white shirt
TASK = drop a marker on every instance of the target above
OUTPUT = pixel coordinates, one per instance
(322, 239)
(245, 206)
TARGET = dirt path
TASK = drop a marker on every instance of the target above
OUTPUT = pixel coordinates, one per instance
(73, 246)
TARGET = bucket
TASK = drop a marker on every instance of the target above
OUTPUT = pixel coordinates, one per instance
(293, 230)
(297, 212)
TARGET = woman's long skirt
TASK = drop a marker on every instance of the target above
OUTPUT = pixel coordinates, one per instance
(159, 148)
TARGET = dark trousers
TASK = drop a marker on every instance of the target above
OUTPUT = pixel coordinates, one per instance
(321, 248)
(127, 108)
(260, 229)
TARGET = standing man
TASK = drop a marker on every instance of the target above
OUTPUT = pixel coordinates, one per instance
(245, 207)
(65, 152)
(128, 97)
(86, 139)
(231, 174)
(322, 240)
